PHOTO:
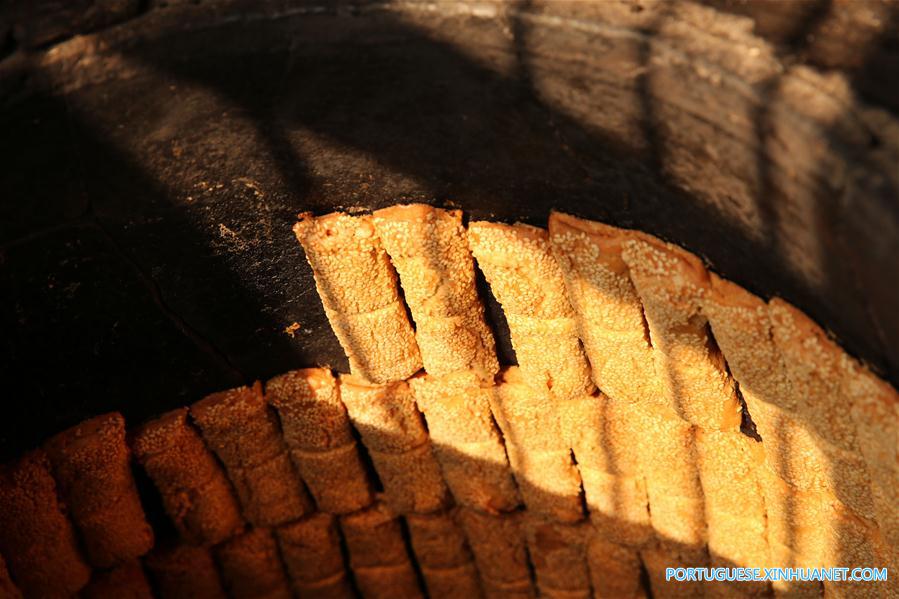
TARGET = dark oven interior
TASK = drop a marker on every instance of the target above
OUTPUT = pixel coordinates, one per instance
(154, 155)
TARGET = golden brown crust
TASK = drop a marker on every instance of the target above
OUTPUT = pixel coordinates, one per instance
(359, 291)
(429, 250)
(519, 589)
(608, 311)
(251, 566)
(94, 448)
(816, 528)
(374, 537)
(184, 571)
(388, 582)
(606, 238)
(385, 415)
(517, 262)
(270, 493)
(353, 273)
(238, 426)
(618, 507)
(336, 587)
(240, 404)
(498, 545)
(734, 501)
(310, 548)
(91, 464)
(559, 555)
(615, 571)
(336, 478)
(679, 490)
(414, 213)
(458, 582)
(659, 558)
(605, 433)
(812, 367)
(671, 284)
(438, 541)
(456, 407)
(413, 481)
(393, 431)
(36, 539)
(789, 373)
(318, 435)
(651, 443)
(741, 325)
(539, 456)
(466, 441)
(875, 411)
(607, 438)
(527, 415)
(669, 463)
(244, 433)
(308, 403)
(195, 492)
(379, 345)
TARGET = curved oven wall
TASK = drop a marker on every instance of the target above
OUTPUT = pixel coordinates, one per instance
(155, 156)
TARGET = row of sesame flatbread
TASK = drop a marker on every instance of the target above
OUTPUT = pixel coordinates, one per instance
(682, 360)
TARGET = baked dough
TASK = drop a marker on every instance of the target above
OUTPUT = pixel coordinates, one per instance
(91, 464)
(875, 411)
(672, 284)
(443, 555)
(335, 587)
(742, 328)
(611, 323)
(393, 431)
(607, 438)
(607, 309)
(378, 553)
(251, 566)
(184, 571)
(518, 264)
(539, 456)
(735, 510)
(319, 438)
(385, 415)
(499, 548)
(429, 249)
(458, 582)
(310, 548)
(359, 292)
(812, 368)
(559, 556)
(195, 492)
(694, 381)
(438, 540)
(270, 493)
(465, 439)
(36, 539)
(615, 571)
(388, 582)
(243, 431)
(657, 559)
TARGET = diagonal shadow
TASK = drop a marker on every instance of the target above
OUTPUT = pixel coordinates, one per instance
(152, 258)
